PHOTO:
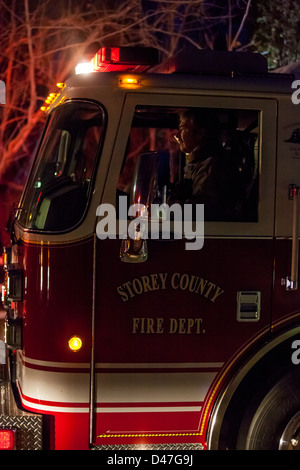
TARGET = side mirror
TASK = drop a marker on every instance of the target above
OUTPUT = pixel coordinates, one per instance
(150, 186)
(134, 251)
(151, 178)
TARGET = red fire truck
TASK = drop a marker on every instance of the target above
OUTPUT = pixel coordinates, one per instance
(148, 343)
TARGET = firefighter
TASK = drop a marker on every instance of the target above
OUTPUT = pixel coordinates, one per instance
(208, 176)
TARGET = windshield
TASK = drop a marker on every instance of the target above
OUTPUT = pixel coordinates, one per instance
(60, 183)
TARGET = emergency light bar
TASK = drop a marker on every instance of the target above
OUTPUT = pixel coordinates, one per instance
(120, 59)
(189, 60)
(211, 62)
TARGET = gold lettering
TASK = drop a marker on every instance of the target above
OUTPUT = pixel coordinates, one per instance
(218, 292)
(160, 328)
(155, 285)
(176, 281)
(210, 286)
(163, 277)
(122, 293)
(173, 326)
(190, 324)
(199, 322)
(150, 324)
(137, 286)
(202, 285)
(173, 280)
(146, 283)
(127, 285)
(147, 325)
(186, 326)
(142, 330)
(181, 329)
(184, 282)
(191, 287)
(135, 323)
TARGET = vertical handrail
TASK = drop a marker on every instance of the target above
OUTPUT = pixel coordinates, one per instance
(92, 365)
(292, 282)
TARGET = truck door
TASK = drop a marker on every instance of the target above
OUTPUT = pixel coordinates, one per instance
(167, 326)
(286, 291)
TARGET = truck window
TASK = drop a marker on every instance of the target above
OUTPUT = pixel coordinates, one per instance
(202, 155)
(60, 184)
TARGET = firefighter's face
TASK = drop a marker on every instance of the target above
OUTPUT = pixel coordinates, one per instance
(188, 136)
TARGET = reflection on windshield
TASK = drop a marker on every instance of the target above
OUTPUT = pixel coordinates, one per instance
(60, 183)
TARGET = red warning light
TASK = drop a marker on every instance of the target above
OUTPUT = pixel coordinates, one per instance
(7, 439)
(124, 59)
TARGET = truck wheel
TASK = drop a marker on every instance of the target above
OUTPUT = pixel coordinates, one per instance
(275, 425)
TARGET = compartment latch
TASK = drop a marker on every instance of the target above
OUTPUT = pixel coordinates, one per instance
(248, 305)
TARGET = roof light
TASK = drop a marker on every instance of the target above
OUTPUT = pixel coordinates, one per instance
(83, 67)
(120, 59)
(75, 343)
(7, 439)
(51, 98)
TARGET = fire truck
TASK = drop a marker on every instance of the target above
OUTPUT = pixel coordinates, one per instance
(120, 342)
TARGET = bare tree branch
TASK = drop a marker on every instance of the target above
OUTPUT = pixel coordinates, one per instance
(232, 45)
(41, 43)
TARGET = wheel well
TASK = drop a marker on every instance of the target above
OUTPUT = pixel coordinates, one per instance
(242, 396)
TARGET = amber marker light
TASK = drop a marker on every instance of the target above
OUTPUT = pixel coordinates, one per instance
(75, 343)
(129, 82)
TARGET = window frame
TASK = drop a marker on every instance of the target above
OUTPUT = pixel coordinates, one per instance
(30, 183)
(267, 109)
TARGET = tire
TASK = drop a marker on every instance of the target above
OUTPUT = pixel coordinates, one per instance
(275, 423)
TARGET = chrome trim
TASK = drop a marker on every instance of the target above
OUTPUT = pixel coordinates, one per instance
(92, 371)
(170, 447)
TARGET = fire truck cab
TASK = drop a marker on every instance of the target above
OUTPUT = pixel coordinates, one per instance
(174, 338)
